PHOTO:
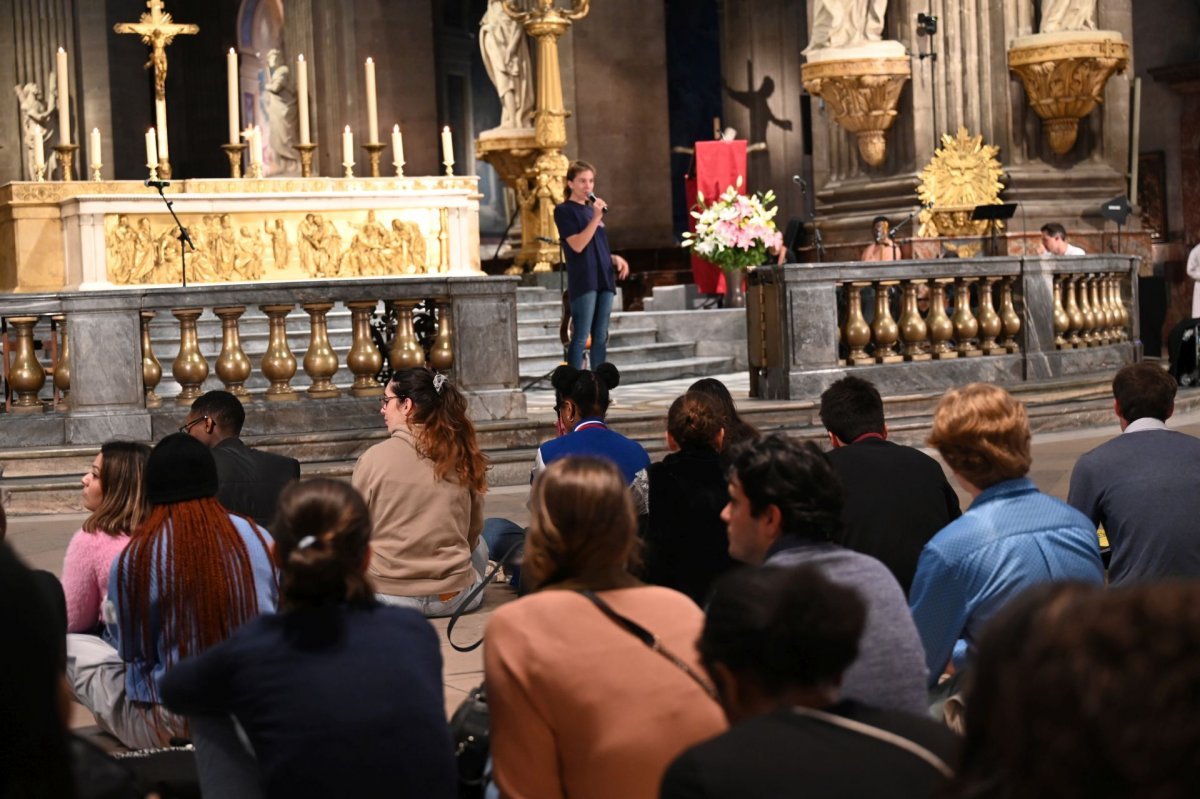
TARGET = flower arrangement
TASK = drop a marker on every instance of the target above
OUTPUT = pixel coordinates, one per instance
(736, 231)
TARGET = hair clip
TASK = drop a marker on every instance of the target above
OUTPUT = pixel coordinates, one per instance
(306, 542)
(439, 382)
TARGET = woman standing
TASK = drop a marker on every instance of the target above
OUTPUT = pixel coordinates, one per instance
(112, 492)
(590, 264)
(580, 706)
(424, 486)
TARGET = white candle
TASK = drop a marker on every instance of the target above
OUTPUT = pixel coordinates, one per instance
(447, 147)
(64, 98)
(94, 148)
(302, 96)
(39, 154)
(372, 109)
(160, 122)
(397, 145)
(151, 149)
(231, 89)
(347, 146)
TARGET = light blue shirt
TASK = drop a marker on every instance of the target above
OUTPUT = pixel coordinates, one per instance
(1011, 538)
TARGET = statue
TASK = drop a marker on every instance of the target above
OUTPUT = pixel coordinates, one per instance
(249, 255)
(1068, 15)
(846, 23)
(308, 239)
(281, 113)
(506, 56)
(37, 121)
(280, 248)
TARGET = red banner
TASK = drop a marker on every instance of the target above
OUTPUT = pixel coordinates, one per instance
(717, 166)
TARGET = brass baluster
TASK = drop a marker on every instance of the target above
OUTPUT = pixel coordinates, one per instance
(278, 363)
(25, 374)
(1102, 311)
(1010, 318)
(941, 329)
(190, 369)
(233, 367)
(151, 368)
(913, 329)
(62, 369)
(1087, 333)
(858, 333)
(320, 362)
(1122, 312)
(884, 328)
(441, 354)
(1114, 313)
(364, 359)
(1062, 320)
(966, 326)
(406, 351)
(990, 324)
(1074, 338)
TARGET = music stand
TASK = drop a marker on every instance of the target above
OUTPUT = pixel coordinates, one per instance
(993, 214)
(1117, 210)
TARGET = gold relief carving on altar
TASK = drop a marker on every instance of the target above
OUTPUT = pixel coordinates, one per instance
(279, 246)
(963, 173)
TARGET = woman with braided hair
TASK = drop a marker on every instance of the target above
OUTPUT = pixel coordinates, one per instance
(191, 574)
(424, 485)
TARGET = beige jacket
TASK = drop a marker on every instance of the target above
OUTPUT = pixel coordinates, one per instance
(424, 528)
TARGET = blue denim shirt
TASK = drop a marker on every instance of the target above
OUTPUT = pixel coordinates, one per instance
(1012, 537)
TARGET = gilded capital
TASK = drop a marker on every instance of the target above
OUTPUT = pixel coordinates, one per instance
(862, 94)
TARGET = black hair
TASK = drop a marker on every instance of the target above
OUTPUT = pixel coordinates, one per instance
(736, 428)
(587, 389)
(1055, 230)
(223, 408)
(787, 627)
(1144, 390)
(852, 407)
(793, 476)
(877, 220)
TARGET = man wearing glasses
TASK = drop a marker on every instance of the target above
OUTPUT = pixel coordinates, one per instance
(248, 480)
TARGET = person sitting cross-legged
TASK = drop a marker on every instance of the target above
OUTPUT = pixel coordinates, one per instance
(777, 643)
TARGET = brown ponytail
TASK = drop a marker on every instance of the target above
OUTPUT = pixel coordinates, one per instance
(446, 435)
(695, 421)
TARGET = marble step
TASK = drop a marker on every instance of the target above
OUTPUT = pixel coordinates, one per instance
(550, 344)
(624, 357)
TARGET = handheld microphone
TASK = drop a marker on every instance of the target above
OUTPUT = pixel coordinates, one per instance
(799, 181)
(592, 201)
(150, 183)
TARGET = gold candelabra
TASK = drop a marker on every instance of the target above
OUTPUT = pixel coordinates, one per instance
(234, 153)
(306, 158)
(66, 161)
(374, 152)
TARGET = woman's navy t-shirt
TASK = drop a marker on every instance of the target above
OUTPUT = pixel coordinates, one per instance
(592, 269)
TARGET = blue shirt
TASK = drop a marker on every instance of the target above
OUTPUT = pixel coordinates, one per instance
(591, 437)
(1011, 538)
(592, 269)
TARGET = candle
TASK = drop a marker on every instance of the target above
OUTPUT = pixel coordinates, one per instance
(447, 147)
(302, 96)
(397, 145)
(94, 148)
(39, 154)
(231, 88)
(64, 98)
(151, 149)
(160, 122)
(347, 146)
(372, 109)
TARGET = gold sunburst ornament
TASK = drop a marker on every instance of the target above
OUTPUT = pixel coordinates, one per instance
(963, 173)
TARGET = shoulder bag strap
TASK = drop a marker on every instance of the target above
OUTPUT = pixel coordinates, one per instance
(651, 640)
(488, 577)
(892, 738)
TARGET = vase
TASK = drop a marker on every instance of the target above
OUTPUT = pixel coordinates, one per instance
(735, 294)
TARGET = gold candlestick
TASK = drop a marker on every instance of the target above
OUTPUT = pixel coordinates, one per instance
(449, 168)
(164, 169)
(66, 161)
(234, 153)
(374, 151)
(256, 170)
(96, 172)
(348, 166)
(306, 158)
(399, 168)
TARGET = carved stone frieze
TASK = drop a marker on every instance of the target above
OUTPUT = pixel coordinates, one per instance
(862, 95)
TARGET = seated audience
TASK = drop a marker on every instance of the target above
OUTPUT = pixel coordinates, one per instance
(112, 492)
(339, 695)
(248, 480)
(686, 543)
(581, 706)
(1010, 538)
(1141, 486)
(737, 429)
(777, 642)
(896, 497)
(1084, 693)
(191, 574)
(785, 507)
(424, 486)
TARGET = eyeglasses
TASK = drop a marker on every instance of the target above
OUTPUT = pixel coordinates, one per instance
(187, 426)
(385, 399)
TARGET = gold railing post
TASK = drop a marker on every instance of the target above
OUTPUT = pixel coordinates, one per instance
(1088, 332)
(1062, 320)
(913, 329)
(441, 354)
(884, 328)
(990, 324)
(25, 373)
(406, 351)
(966, 326)
(1073, 313)
(151, 368)
(941, 329)
(62, 369)
(320, 362)
(190, 369)
(1011, 319)
(364, 360)
(233, 367)
(278, 363)
(858, 332)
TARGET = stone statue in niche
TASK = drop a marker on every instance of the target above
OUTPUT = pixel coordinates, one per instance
(280, 247)
(1068, 15)
(282, 113)
(38, 120)
(846, 23)
(506, 56)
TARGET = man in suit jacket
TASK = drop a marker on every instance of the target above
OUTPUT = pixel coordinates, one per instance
(248, 480)
(1142, 484)
(897, 497)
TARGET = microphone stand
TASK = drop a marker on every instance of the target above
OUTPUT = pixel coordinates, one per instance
(893, 231)
(183, 237)
(811, 219)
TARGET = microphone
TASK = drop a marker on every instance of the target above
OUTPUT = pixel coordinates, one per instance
(799, 181)
(150, 183)
(893, 231)
(592, 201)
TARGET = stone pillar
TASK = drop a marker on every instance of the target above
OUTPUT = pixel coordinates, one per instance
(484, 316)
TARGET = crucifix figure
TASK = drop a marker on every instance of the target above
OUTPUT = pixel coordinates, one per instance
(158, 30)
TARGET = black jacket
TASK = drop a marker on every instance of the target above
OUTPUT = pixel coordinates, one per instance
(249, 480)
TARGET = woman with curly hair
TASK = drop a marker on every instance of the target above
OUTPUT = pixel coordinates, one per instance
(424, 486)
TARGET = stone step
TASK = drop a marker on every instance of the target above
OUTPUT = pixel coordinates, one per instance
(550, 344)
(652, 372)
(634, 357)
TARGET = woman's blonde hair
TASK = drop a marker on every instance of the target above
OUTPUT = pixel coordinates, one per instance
(582, 522)
(982, 432)
(122, 493)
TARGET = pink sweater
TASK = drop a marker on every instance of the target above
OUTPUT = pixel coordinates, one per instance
(85, 576)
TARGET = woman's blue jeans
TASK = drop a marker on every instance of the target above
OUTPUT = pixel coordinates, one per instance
(589, 314)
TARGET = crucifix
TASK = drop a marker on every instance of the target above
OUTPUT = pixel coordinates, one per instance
(158, 30)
